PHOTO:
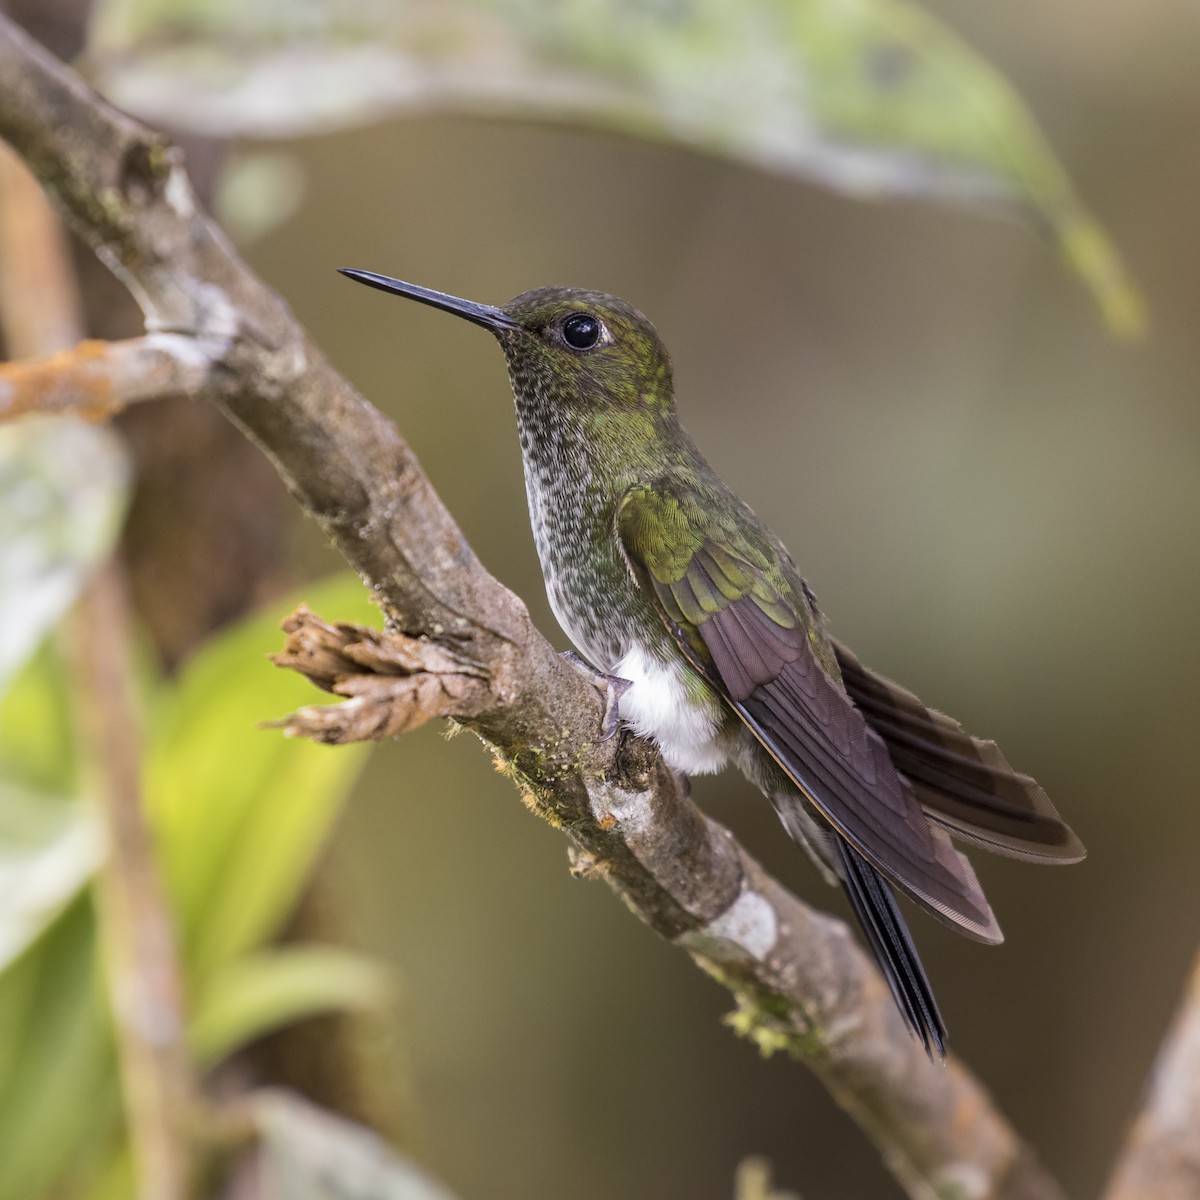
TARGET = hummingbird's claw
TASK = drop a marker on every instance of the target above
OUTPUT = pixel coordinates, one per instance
(610, 723)
(611, 687)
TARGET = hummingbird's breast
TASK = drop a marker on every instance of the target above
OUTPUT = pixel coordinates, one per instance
(587, 582)
(602, 610)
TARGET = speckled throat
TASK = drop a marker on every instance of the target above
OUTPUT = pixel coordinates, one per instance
(573, 483)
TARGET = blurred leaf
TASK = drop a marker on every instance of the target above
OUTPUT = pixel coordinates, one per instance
(36, 726)
(257, 191)
(49, 848)
(308, 1154)
(49, 843)
(58, 1091)
(870, 97)
(257, 993)
(62, 495)
(116, 1179)
(240, 812)
(58, 1086)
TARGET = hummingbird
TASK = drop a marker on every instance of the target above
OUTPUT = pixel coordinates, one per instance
(708, 641)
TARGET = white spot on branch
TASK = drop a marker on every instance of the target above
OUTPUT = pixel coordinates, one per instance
(615, 807)
(747, 926)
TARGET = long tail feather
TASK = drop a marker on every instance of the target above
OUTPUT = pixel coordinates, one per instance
(890, 942)
(964, 783)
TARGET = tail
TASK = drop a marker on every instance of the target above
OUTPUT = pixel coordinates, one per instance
(890, 942)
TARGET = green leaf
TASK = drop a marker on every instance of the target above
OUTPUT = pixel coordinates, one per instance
(257, 993)
(37, 743)
(308, 1154)
(49, 842)
(116, 1178)
(59, 1101)
(239, 811)
(869, 97)
(58, 1088)
(62, 495)
(49, 848)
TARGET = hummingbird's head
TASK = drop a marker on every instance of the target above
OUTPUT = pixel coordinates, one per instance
(582, 351)
(570, 352)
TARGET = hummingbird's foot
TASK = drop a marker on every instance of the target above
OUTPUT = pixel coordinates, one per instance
(611, 687)
(685, 784)
(610, 722)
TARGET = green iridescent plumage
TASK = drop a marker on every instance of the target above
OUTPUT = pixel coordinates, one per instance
(697, 561)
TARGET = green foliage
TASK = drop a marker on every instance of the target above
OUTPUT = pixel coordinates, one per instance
(62, 489)
(51, 846)
(240, 812)
(49, 843)
(37, 747)
(265, 990)
(58, 1082)
(239, 816)
(62, 493)
(873, 98)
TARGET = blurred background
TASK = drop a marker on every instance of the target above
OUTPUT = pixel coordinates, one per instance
(996, 500)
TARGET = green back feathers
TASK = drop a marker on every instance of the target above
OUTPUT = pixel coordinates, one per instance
(699, 556)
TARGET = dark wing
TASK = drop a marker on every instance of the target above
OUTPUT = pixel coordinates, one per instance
(964, 783)
(743, 627)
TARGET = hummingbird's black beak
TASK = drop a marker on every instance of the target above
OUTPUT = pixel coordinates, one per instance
(495, 319)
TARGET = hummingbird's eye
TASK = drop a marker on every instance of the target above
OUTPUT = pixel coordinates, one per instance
(581, 331)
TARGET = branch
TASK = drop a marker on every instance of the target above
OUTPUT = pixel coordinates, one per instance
(96, 380)
(393, 683)
(145, 983)
(1162, 1158)
(799, 980)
